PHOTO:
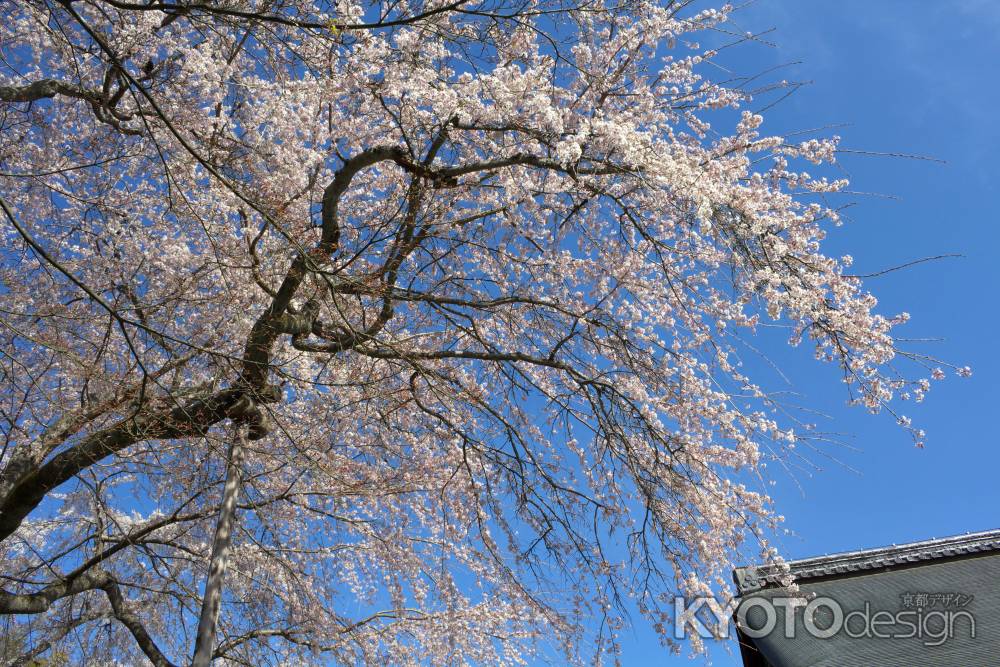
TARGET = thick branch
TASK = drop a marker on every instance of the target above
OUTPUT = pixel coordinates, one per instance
(103, 107)
(177, 9)
(270, 325)
(191, 419)
(71, 422)
(44, 89)
(507, 357)
(524, 159)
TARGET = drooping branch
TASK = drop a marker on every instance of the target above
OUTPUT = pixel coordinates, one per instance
(40, 602)
(30, 657)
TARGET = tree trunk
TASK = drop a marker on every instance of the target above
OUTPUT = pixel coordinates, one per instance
(205, 641)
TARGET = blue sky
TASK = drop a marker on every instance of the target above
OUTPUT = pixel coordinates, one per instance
(911, 76)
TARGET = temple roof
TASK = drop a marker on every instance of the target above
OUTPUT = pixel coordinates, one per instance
(932, 602)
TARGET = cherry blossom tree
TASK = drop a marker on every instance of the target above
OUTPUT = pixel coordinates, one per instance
(392, 333)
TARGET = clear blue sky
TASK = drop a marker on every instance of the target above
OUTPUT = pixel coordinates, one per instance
(914, 76)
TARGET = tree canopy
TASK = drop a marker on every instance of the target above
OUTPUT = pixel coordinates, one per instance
(450, 293)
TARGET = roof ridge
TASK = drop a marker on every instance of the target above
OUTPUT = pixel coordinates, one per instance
(755, 577)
